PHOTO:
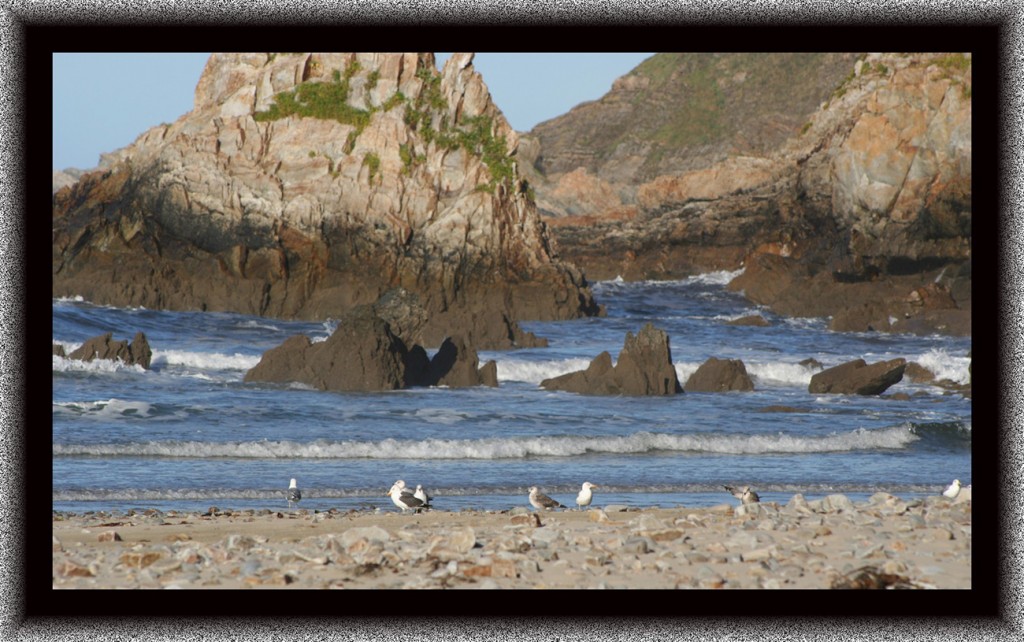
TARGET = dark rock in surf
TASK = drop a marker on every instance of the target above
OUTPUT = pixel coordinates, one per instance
(644, 368)
(856, 377)
(103, 346)
(364, 355)
(719, 375)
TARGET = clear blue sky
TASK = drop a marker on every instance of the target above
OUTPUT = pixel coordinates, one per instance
(103, 101)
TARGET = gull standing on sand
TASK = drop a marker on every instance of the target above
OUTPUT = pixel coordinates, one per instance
(953, 489)
(541, 501)
(422, 495)
(405, 500)
(294, 494)
(744, 494)
(585, 496)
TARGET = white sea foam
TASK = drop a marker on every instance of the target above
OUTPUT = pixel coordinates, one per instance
(205, 360)
(722, 277)
(895, 437)
(61, 364)
(777, 373)
(253, 323)
(105, 408)
(945, 365)
(511, 369)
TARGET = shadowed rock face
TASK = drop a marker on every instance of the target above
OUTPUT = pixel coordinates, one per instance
(644, 368)
(302, 185)
(363, 355)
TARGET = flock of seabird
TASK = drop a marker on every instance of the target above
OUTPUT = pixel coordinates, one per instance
(417, 500)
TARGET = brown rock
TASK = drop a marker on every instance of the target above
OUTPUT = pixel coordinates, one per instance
(104, 347)
(109, 536)
(719, 375)
(644, 368)
(58, 350)
(856, 377)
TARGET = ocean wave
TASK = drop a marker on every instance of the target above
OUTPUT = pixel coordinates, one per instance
(945, 365)
(537, 371)
(62, 364)
(895, 437)
(105, 408)
(720, 277)
(205, 360)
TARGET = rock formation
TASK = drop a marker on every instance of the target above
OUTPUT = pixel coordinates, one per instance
(302, 185)
(103, 346)
(363, 355)
(719, 375)
(845, 188)
(644, 368)
(856, 377)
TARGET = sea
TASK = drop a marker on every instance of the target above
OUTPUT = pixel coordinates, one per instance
(189, 434)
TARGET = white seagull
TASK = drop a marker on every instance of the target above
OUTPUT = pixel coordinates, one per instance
(585, 496)
(405, 500)
(744, 494)
(294, 494)
(422, 495)
(953, 489)
(541, 501)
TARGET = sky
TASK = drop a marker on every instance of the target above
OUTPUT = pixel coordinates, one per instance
(103, 101)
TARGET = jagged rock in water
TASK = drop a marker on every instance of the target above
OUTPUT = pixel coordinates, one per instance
(103, 346)
(719, 375)
(363, 355)
(302, 185)
(644, 368)
(857, 377)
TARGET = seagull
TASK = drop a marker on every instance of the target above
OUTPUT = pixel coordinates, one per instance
(744, 494)
(539, 500)
(585, 496)
(404, 500)
(953, 489)
(422, 495)
(294, 494)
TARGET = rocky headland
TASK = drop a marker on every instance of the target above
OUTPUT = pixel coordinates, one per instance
(303, 185)
(840, 182)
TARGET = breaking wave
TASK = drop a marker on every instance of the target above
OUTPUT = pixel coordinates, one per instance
(895, 437)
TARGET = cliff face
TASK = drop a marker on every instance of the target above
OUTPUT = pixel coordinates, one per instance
(872, 186)
(301, 185)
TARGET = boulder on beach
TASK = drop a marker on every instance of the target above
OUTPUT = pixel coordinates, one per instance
(857, 377)
(103, 346)
(719, 375)
(644, 368)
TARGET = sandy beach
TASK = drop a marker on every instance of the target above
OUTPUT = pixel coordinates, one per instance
(885, 542)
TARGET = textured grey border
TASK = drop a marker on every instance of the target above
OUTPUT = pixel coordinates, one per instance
(14, 13)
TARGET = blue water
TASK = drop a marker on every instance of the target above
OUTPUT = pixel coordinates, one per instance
(189, 434)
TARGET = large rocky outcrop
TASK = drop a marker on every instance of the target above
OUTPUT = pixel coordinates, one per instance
(859, 191)
(644, 368)
(301, 185)
(364, 355)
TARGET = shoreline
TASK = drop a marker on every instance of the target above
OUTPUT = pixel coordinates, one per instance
(817, 544)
